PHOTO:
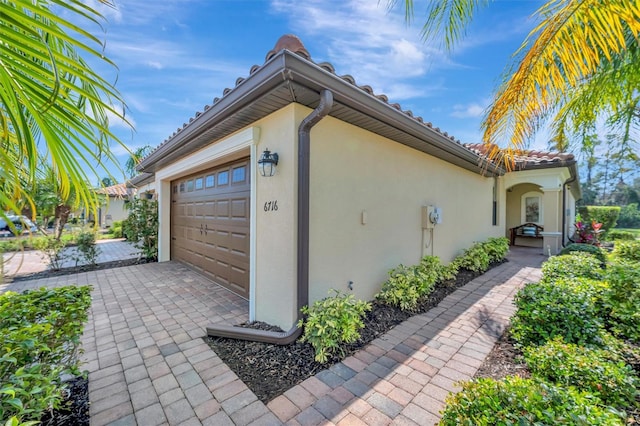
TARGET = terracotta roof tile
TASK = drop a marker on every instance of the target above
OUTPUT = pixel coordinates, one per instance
(118, 190)
(294, 44)
(524, 158)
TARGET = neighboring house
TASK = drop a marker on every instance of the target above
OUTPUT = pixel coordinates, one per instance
(114, 208)
(357, 184)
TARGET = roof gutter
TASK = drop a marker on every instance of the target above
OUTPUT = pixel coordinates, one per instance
(304, 166)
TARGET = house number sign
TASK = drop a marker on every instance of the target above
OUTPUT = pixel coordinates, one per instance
(271, 206)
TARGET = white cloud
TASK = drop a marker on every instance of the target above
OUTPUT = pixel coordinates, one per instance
(470, 110)
(364, 39)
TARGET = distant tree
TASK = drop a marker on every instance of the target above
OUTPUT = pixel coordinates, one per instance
(108, 181)
(135, 158)
(579, 65)
(52, 101)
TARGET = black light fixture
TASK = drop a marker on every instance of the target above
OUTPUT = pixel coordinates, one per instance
(268, 162)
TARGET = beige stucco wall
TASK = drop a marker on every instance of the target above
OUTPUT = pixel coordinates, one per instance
(276, 230)
(113, 211)
(356, 172)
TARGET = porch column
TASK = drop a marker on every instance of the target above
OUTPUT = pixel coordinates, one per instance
(552, 211)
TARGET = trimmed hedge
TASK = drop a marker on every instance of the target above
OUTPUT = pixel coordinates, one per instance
(617, 235)
(592, 370)
(559, 308)
(586, 248)
(627, 250)
(518, 401)
(39, 342)
(606, 215)
(572, 265)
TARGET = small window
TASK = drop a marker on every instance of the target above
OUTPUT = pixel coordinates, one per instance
(494, 206)
(190, 185)
(199, 183)
(210, 181)
(181, 186)
(238, 174)
(223, 178)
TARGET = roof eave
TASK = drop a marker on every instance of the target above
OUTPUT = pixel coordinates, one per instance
(286, 68)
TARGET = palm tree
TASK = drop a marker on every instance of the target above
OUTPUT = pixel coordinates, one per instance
(135, 158)
(580, 64)
(50, 96)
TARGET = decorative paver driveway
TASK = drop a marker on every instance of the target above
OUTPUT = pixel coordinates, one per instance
(149, 365)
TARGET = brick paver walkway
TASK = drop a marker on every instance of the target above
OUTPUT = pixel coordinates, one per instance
(32, 261)
(149, 366)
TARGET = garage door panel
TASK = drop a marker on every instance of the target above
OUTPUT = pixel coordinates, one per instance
(210, 224)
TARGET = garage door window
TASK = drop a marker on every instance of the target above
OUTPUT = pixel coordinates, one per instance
(238, 174)
(199, 183)
(189, 186)
(223, 178)
(210, 181)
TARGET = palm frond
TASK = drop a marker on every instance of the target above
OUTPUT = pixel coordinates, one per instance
(569, 46)
(50, 95)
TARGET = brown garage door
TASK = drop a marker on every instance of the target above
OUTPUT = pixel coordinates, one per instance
(210, 224)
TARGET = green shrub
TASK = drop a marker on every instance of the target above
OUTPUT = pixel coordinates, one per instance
(116, 229)
(407, 284)
(52, 250)
(433, 271)
(627, 250)
(561, 308)
(475, 259)
(622, 299)
(586, 248)
(606, 215)
(590, 370)
(572, 265)
(403, 289)
(496, 248)
(86, 247)
(617, 235)
(39, 341)
(332, 321)
(141, 227)
(517, 401)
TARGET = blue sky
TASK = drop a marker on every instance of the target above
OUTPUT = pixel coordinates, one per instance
(175, 56)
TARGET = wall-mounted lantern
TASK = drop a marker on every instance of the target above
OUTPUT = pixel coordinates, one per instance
(267, 163)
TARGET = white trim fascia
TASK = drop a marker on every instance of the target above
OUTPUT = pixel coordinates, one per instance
(542, 177)
(253, 227)
(210, 154)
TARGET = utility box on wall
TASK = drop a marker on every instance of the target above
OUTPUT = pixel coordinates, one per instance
(431, 216)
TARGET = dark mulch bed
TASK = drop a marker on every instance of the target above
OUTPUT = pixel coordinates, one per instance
(78, 269)
(270, 370)
(504, 360)
(75, 408)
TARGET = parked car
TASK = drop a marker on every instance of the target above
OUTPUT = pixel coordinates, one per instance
(22, 224)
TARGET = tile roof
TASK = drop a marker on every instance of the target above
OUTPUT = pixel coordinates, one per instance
(530, 158)
(293, 44)
(117, 190)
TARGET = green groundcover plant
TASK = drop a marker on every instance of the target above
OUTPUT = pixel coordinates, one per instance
(518, 401)
(560, 308)
(332, 321)
(39, 343)
(592, 370)
(572, 265)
